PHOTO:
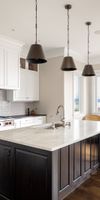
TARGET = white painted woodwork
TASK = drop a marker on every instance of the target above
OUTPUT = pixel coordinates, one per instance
(29, 87)
(9, 64)
(89, 97)
(68, 95)
(12, 69)
(36, 86)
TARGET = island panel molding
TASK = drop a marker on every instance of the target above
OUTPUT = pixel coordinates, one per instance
(48, 164)
(32, 172)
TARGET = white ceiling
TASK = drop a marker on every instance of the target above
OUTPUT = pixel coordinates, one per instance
(52, 23)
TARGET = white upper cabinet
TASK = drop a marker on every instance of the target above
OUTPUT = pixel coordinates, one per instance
(12, 69)
(36, 83)
(20, 95)
(9, 64)
(29, 87)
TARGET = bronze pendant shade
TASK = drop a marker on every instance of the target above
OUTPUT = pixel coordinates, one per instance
(88, 69)
(68, 62)
(36, 54)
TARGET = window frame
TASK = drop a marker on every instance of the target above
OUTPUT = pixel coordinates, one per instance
(97, 75)
(77, 113)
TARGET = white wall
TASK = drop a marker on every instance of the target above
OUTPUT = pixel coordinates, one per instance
(53, 83)
(51, 87)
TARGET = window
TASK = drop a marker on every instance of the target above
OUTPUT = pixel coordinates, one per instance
(76, 93)
(98, 94)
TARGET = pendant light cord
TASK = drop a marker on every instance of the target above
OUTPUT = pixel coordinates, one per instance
(67, 32)
(36, 21)
(88, 44)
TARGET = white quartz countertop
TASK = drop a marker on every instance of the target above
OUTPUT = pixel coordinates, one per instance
(49, 139)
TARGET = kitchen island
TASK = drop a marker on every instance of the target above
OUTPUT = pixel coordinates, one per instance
(41, 163)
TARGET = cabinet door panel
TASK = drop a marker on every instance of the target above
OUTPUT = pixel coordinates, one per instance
(5, 171)
(31, 176)
(65, 167)
(12, 69)
(87, 155)
(36, 86)
(94, 151)
(76, 160)
(2, 68)
(30, 85)
(20, 95)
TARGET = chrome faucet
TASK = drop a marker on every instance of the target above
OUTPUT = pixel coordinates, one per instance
(60, 106)
(63, 118)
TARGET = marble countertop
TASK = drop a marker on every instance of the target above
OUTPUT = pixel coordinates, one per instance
(52, 139)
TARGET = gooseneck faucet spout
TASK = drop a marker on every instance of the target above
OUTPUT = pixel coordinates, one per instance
(63, 117)
(60, 106)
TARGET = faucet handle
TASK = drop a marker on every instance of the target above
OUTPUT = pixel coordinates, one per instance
(53, 125)
(65, 123)
(63, 119)
(68, 123)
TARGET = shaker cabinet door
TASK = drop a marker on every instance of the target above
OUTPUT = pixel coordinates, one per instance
(20, 95)
(12, 69)
(5, 172)
(29, 87)
(31, 176)
(36, 86)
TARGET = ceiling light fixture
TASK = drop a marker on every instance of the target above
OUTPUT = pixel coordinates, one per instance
(36, 54)
(68, 62)
(88, 69)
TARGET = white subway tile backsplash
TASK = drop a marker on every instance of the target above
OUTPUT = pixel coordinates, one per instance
(2, 95)
(9, 108)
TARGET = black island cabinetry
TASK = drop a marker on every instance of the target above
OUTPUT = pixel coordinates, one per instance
(27, 173)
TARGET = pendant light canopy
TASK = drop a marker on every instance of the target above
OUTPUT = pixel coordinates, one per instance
(36, 54)
(88, 69)
(68, 62)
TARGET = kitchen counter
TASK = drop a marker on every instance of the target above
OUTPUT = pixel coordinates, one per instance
(45, 163)
(49, 139)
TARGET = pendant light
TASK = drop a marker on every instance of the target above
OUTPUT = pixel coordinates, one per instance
(36, 54)
(88, 69)
(68, 62)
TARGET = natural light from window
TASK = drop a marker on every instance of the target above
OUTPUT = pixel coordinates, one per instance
(98, 93)
(76, 94)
